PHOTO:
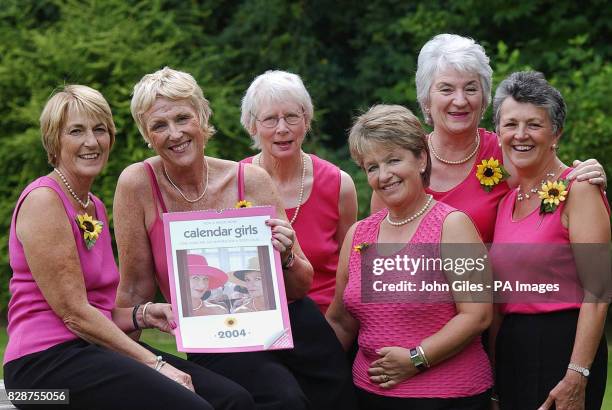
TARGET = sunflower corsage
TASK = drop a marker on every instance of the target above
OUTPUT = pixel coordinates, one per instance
(490, 173)
(361, 247)
(552, 194)
(243, 204)
(91, 229)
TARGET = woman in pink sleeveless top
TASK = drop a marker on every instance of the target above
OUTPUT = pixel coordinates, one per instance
(319, 198)
(453, 85)
(414, 352)
(551, 351)
(64, 329)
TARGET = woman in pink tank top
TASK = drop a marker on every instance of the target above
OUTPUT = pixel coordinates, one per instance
(551, 352)
(64, 329)
(418, 349)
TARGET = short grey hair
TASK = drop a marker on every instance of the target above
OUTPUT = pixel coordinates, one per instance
(273, 87)
(451, 51)
(174, 85)
(531, 87)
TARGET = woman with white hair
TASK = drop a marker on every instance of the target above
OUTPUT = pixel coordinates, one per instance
(453, 83)
(319, 198)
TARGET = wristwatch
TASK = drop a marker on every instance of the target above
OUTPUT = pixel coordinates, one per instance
(417, 360)
(582, 370)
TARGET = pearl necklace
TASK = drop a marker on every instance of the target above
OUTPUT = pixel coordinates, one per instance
(458, 162)
(301, 194)
(199, 306)
(74, 195)
(413, 217)
(521, 196)
(191, 201)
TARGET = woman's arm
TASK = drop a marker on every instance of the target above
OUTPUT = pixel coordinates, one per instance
(57, 272)
(343, 323)
(347, 206)
(587, 219)
(260, 190)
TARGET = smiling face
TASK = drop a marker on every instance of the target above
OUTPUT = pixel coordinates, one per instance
(526, 134)
(173, 129)
(199, 286)
(456, 102)
(253, 283)
(84, 146)
(394, 174)
(283, 140)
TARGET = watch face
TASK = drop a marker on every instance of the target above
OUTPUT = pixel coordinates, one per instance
(586, 372)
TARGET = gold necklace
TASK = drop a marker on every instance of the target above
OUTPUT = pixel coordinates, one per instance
(301, 194)
(191, 201)
(74, 195)
(199, 306)
(458, 162)
(413, 217)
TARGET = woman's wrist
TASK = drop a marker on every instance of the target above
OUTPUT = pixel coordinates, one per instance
(139, 318)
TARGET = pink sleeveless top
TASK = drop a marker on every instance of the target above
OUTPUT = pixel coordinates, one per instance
(406, 324)
(537, 263)
(156, 231)
(316, 227)
(32, 324)
(469, 197)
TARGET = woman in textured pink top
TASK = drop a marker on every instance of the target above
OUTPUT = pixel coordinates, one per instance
(453, 85)
(64, 329)
(419, 355)
(319, 198)
(551, 351)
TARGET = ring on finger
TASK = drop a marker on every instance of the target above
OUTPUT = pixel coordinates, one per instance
(385, 378)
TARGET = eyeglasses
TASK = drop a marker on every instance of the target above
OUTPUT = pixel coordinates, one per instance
(292, 118)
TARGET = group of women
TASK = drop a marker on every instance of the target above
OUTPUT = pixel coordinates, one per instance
(71, 309)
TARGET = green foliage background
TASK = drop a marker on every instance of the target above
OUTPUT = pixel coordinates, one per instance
(351, 54)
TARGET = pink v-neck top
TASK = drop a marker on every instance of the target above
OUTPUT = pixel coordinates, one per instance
(32, 324)
(534, 264)
(469, 197)
(316, 226)
(406, 324)
(156, 231)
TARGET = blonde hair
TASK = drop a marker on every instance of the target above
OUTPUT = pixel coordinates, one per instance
(174, 85)
(80, 98)
(391, 126)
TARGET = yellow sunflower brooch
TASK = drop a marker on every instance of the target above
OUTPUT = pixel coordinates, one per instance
(490, 173)
(91, 229)
(243, 204)
(552, 194)
(361, 247)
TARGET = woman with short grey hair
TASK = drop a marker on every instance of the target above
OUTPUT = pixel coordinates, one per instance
(560, 345)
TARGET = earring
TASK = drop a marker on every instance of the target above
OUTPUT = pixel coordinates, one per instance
(499, 143)
(422, 170)
(553, 147)
(149, 145)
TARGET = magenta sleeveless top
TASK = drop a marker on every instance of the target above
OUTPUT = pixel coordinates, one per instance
(316, 227)
(534, 264)
(406, 324)
(469, 197)
(156, 231)
(32, 324)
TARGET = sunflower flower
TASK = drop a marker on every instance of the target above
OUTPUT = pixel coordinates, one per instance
(91, 229)
(361, 247)
(490, 173)
(243, 204)
(552, 194)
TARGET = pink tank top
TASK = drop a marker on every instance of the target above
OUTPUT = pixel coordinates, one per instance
(32, 324)
(316, 227)
(537, 263)
(156, 231)
(468, 195)
(406, 324)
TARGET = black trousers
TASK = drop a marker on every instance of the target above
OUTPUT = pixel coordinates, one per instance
(532, 354)
(313, 375)
(371, 401)
(98, 378)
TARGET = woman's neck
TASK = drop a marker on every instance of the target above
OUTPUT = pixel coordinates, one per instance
(532, 177)
(408, 208)
(190, 177)
(453, 146)
(285, 170)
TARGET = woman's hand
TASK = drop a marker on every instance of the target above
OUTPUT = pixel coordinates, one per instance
(178, 376)
(568, 394)
(160, 316)
(283, 237)
(393, 367)
(590, 170)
